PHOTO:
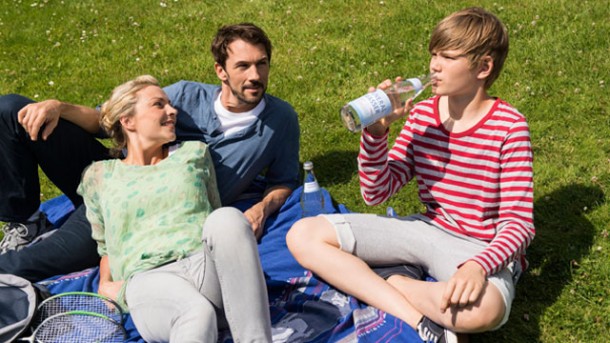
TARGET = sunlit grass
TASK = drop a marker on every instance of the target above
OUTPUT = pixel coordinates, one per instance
(328, 52)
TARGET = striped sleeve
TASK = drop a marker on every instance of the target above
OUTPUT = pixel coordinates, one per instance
(515, 224)
(381, 174)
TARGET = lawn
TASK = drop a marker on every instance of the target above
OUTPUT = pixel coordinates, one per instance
(328, 52)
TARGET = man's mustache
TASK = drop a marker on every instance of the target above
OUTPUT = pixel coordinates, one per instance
(254, 84)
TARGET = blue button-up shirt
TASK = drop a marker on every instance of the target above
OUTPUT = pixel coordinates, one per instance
(263, 155)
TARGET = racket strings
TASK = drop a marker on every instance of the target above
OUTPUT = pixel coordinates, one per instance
(78, 326)
(79, 301)
(78, 317)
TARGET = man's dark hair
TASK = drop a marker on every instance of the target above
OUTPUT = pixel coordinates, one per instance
(247, 32)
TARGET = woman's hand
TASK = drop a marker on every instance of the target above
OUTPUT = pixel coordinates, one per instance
(465, 286)
(380, 127)
(110, 289)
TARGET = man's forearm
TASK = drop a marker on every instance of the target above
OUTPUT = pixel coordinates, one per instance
(274, 198)
(85, 117)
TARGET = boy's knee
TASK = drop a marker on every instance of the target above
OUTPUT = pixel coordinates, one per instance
(485, 319)
(303, 235)
(487, 322)
(493, 319)
(296, 235)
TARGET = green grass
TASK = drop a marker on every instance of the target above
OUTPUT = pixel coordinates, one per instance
(328, 52)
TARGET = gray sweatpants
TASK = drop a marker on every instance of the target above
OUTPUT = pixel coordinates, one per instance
(183, 301)
(383, 241)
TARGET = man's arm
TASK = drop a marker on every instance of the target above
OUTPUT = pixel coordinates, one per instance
(282, 174)
(273, 199)
(47, 113)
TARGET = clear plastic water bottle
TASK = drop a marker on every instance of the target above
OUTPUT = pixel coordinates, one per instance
(312, 199)
(368, 109)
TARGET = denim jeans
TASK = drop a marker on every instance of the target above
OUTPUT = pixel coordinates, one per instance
(69, 249)
(182, 301)
(62, 157)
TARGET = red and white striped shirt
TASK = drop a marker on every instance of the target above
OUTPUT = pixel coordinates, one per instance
(477, 183)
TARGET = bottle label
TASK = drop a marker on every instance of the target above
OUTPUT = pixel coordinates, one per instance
(310, 187)
(372, 107)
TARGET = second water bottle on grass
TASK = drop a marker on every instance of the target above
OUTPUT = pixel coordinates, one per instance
(312, 199)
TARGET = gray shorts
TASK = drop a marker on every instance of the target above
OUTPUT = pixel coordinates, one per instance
(382, 240)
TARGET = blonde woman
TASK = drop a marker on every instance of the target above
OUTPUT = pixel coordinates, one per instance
(169, 253)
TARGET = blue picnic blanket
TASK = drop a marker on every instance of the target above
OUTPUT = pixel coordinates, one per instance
(303, 308)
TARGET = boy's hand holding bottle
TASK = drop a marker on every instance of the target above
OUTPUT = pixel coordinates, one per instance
(389, 99)
(379, 127)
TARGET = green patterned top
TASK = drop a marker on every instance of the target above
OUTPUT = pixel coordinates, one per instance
(146, 216)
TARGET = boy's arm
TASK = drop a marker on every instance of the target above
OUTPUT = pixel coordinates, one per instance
(379, 181)
(384, 172)
(515, 223)
(515, 226)
(47, 113)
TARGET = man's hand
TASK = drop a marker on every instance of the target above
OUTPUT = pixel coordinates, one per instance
(273, 199)
(465, 286)
(256, 216)
(33, 116)
(110, 289)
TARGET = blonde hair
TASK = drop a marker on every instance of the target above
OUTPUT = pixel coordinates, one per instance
(122, 103)
(478, 33)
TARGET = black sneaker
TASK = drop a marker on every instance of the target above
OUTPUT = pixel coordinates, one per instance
(430, 332)
(19, 235)
(408, 270)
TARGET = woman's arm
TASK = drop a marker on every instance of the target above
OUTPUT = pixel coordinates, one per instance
(108, 287)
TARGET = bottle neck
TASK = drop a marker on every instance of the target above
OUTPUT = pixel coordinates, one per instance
(309, 176)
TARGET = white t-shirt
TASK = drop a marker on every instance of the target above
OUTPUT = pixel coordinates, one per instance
(231, 122)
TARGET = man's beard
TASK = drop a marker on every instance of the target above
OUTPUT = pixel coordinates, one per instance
(241, 97)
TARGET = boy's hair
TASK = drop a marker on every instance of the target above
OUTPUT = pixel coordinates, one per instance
(478, 33)
(122, 103)
(247, 32)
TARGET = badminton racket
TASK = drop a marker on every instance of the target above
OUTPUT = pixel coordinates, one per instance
(77, 326)
(78, 301)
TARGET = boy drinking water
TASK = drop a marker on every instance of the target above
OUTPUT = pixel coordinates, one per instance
(471, 157)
